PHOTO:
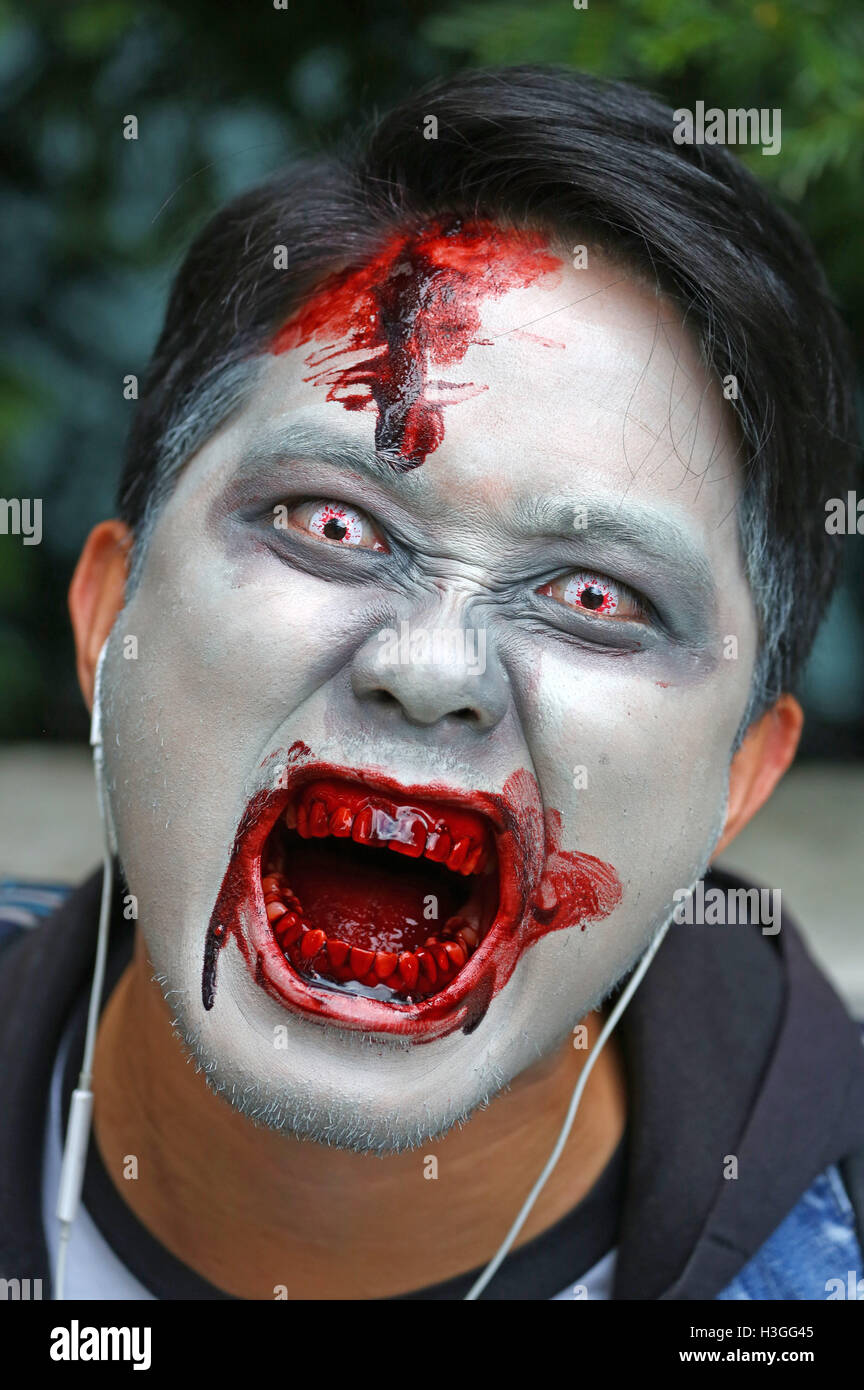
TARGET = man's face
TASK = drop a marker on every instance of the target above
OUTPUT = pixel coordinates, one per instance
(431, 643)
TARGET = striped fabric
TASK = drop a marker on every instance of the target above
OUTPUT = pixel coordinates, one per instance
(24, 904)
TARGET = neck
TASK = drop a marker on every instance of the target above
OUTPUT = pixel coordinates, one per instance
(253, 1211)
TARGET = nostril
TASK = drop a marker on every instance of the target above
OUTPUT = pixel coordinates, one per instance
(383, 697)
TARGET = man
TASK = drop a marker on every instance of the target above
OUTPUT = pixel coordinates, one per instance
(471, 541)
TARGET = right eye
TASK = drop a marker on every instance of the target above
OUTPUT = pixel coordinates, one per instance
(596, 595)
(337, 524)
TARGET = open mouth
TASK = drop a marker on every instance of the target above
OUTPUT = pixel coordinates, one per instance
(360, 902)
(375, 897)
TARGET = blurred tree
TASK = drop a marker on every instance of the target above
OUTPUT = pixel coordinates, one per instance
(806, 58)
(93, 227)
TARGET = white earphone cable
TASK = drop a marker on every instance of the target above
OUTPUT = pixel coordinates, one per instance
(505, 1247)
(81, 1108)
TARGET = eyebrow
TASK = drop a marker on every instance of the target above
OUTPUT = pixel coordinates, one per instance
(625, 525)
(628, 527)
(301, 442)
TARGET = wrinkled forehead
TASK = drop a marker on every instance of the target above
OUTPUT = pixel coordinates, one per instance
(474, 371)
(481, 364)
(394, 337)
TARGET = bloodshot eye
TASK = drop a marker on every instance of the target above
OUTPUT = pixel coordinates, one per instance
(594, 595)
(338, 524)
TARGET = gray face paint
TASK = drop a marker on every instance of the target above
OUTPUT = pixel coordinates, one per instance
(253, 638)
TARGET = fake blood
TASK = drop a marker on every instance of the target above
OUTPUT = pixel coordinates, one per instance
(412, 309)
(571, 890)
(245, 853)
(574, 888)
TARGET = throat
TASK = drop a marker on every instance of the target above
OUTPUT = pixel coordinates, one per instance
(341, 1241)
(370, 898)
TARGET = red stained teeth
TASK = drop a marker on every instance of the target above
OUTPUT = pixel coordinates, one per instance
(442, 960)
(337, 951)
(411, 839)
(457, 953)
(361, 961)
(288, 930)
(409, 969)
(458, 855)
(361, 831)
(312, 943)
(385, 964)
(407, 972)
(449, 835)
(438, 846)
(457, 929)
(473, 860)
(340, 822)
(403, 829)
(427, 964)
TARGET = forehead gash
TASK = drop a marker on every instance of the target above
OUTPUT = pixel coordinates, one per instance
(415, 307)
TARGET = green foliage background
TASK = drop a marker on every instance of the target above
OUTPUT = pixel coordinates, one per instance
(93, 226)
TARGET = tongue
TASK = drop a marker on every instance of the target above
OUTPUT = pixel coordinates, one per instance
(367, 897)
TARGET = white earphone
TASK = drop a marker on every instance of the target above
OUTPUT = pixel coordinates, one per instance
(81, 1109)
(504, 1249)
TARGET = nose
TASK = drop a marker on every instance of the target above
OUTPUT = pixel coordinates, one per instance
(433, 675)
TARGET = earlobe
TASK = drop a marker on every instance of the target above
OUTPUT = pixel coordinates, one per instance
(96, 595)
(766, 753)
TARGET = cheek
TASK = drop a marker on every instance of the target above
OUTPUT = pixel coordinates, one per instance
(221, 669)
(638, 770)
(240, 646)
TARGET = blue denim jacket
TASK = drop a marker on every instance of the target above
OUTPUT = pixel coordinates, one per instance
(813, 1254)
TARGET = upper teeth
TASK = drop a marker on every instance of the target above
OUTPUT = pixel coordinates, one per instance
(404, 833)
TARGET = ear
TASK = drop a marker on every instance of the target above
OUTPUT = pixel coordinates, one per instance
(767, 751)
(96, 595)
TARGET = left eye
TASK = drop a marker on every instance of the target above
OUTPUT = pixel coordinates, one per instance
(594, 595)
(338, 524)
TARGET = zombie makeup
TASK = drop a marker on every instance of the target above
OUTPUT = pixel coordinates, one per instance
(369, 857)
(413, 309)
(378, 888)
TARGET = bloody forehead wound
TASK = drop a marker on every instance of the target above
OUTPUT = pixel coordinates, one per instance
(411, 310)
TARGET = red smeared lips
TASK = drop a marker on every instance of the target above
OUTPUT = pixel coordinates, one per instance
(335, 877)
(375, 896)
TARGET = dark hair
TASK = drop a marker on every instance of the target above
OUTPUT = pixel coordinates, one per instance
(557, 150)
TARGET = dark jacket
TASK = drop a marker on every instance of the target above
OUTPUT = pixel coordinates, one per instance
(735, 1047)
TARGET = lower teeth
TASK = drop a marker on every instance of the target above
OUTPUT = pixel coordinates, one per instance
(410, 974)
